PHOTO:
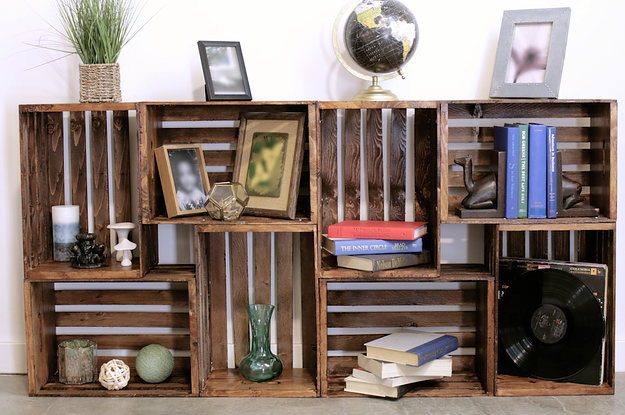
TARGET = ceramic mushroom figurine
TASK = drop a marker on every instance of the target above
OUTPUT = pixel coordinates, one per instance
(125, 246)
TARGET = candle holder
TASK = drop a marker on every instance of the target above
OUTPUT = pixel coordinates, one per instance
(124, 246)
(227, 201)
(65, 227)
(86, 254)
(78, 362)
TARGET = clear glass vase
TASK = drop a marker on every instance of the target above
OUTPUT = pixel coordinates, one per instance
(260, 365)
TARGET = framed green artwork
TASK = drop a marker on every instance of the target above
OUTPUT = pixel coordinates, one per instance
(269, 162)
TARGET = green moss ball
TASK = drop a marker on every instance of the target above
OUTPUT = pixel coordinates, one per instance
(154, 363)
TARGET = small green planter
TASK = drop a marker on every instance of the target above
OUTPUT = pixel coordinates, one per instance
(78, 362)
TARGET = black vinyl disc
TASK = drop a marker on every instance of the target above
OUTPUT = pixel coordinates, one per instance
(550, 324)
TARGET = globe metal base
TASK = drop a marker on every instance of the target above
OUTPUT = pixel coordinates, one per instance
(375, 93)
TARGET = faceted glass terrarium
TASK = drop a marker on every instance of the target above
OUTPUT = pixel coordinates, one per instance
(226, 201)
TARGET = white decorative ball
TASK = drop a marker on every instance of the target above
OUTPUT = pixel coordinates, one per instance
(114, 375)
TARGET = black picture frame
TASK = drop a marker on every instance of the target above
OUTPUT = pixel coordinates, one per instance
(225, 73)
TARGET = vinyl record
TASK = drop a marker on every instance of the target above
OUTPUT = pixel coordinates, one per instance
(550, 324)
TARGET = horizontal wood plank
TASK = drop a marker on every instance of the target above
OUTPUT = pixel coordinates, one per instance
(293, 383)
(115, 319)
(220, 158)
(122, 297)
(402, 319)
(134, 341)
(495, 109)
(199, 135)
(483, 157)
(396, 297)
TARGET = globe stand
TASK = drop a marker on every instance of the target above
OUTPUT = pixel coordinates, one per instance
(375, 93)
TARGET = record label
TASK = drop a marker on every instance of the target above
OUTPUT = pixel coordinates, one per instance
(549, 324)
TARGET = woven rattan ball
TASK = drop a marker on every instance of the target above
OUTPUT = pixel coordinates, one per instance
(114, 375)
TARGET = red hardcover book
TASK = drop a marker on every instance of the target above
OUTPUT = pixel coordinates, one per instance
(372, 229)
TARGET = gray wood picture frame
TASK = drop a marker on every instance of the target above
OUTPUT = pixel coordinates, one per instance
(550, 88)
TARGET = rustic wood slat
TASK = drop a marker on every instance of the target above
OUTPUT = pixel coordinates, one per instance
(352, 164)
(513, 110)
(219, 158)
(356, 342)
(218, 300)
(516, 244)
(426, 168)
(219, 177)
(100, 182)
(220, 112)
(78, 157)
(485, 134)
(329, 177)
(397, 165)
(56, 174)
(284, 294)
(539, 244)
(375, 164)
(293, 383)
(402, 319)
(561, 245)
(200, 135)
(135, 341)
(122, 297)
(120, 139)
(483, 157)
(456, 178)
(262, 264)
(118, 319)
(44, 241)
(202, 301)
(195, 332)
(240, 295)
(397, 297)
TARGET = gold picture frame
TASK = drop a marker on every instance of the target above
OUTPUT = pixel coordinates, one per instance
(184, 179)
(269, 162)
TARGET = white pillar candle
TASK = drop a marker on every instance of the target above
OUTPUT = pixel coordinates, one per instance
(65, 227)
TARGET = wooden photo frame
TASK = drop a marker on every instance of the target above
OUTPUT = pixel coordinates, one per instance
(269, 162)
(224, 71)
(530, 54)
(184, 179)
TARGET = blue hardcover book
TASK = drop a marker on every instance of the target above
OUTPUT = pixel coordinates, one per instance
(537, 189)
(411, 347)
(507, 139)
(552, 179)
(370, 246)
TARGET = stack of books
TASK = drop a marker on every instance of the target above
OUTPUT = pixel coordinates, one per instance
(377, 245)
(531, 170)
(395, 364)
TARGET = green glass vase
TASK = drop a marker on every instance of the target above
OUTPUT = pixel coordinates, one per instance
(260, 365)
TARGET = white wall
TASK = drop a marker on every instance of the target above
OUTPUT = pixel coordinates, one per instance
(288, 52)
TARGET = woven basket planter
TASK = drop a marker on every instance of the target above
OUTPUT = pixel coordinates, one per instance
(100, 83)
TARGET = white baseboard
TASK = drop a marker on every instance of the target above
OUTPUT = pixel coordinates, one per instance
(13, 358)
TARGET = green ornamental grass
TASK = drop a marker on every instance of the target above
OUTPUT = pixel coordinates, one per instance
(98, 29)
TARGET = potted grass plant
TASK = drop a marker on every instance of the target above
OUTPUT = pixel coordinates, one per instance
(98, 30)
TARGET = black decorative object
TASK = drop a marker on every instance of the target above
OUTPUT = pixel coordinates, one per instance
(86, 254)
(486, 198)
(571, 192)
(569, 197)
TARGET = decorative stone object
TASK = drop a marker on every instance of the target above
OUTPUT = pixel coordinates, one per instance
(86, 254)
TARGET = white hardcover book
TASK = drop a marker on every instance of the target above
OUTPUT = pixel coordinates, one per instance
(392, 382)
(355, 385)
(436, 368)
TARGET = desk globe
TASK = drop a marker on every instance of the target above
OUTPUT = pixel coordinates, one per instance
(381, 37)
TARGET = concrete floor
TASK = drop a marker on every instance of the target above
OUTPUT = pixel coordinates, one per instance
(14, 400)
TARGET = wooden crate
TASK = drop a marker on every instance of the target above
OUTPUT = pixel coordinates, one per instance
(379, 131)
(353, 315)
(57, 311)
(224, 257)
(593, 243)
(586, 137)
(43, 153)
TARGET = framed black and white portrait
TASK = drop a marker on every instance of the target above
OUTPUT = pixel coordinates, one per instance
(184, 179)
(224, 71)
(530, 55)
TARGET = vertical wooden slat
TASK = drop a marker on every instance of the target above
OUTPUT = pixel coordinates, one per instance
(443, 132)
(262, 264)
(329, 183)
(27, 202)
(397, 165)
(322, 338)
(56, 162)
(284, 289)
(203, 305)
(193, 337)
(375, 164)
(516, 244)
(44, 212)
(352, 164)
(485, 335)
(561, 245)
(539, 244)
(100, 182)
(78, 156)
(32, 153)
(426, 166)
(218, 300)
(240, 295)
(120, 137)
(309, 305)
(40, 333)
